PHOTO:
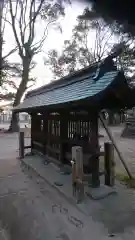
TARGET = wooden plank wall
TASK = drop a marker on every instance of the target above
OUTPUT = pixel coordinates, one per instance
(50, 132)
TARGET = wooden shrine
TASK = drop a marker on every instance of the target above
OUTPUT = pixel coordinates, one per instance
(65, 113)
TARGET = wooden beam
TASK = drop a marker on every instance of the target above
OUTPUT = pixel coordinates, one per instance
(75, 117)
(27, 147)
(38, 144)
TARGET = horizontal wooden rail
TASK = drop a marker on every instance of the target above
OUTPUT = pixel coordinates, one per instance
(38, 144)
(77, 117)
(26, 147)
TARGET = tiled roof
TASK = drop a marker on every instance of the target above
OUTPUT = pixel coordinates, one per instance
(73, 91)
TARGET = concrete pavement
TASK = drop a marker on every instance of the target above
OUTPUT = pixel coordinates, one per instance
(31, 209)
(116, 212)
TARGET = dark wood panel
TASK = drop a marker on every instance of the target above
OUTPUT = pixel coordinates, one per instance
(70, 117)
(55, 150)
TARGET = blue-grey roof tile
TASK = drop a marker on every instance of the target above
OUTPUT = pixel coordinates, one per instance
(72, 92)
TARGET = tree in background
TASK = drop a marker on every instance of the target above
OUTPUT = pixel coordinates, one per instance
(1, 36)
(78, 53)
(91, 41)
(122, 22)
(114, 12)
(23, 15)
(3, 58)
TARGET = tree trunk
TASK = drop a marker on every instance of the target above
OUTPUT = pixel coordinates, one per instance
(1, 39)
(14, 126)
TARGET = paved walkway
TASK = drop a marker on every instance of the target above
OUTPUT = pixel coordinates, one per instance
(32, 209)
(115, 212)
(126, 147)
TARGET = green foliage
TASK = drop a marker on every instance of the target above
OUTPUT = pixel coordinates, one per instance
(13, 74)
(51, 10)
(126, 59)
(77, 52)
(54, 63)
(125, 180)
(115, 12)
(7, 96)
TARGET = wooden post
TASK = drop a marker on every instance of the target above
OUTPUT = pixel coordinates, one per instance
(45, 130)
(21, 145)
(63, 135)
(77, 173)
(109, 164)
(33, 127)
(49, 134)
(95, 148)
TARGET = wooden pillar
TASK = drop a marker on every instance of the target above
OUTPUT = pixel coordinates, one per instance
(95, 148)
(21, 145)
(45, 130)
(77, 173)
(34, 128)
(63, 135)
(33, 116)
(109, 164)
(49, 133)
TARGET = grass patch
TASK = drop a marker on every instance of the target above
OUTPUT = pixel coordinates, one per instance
(126, 180)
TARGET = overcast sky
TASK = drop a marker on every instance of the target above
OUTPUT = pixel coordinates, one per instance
(54, 40)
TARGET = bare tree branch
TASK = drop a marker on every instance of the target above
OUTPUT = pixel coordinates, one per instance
(11, 52)
(5, 20)
(21, 23)
(16, 8)
(5, 16)
(31, 23)
(24, 16)
(30, 86)
(38, 45)
(14, 28)
(32, 18)
(11, 84)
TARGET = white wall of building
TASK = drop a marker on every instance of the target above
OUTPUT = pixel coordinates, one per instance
(6, 115)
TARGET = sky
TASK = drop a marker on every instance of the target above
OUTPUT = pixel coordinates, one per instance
(54, 40)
